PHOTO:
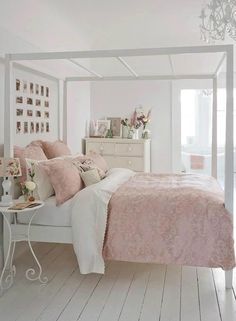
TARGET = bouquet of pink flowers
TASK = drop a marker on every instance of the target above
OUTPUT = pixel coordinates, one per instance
(144, 119)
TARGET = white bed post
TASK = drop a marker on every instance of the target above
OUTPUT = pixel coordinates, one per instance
(64, 124)
(229, 146)
(214, 130)
(8, 131)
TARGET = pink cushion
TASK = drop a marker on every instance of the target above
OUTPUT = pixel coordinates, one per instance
(65, 178)
(99, 161)
(55, 149)
(30, 151)
(36, 143)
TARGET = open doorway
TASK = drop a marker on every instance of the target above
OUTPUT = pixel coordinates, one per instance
(196, 128)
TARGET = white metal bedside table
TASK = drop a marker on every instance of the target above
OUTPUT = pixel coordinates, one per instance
(31, 274)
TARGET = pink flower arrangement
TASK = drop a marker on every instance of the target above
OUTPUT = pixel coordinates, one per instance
(144, 119)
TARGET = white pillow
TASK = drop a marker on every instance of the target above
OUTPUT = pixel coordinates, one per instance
(44, 188)
(90, 177)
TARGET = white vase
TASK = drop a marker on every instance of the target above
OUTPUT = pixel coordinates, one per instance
(125, 131)
(136, 134)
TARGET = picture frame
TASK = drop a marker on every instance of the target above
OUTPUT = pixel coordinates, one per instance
(26, 127)
(115, 126)
(31, 127)
(30, 113)
(18, 127)
(31, 94)
(19, 112)
(37, 102)
(19, 100)
(37, 89)
(102, 127)
(18, 86)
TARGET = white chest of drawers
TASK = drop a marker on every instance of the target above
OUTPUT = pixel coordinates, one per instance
(128, 153)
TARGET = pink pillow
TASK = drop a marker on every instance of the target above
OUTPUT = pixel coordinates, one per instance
(99, 161)
(30, 151)
(55, 149)
(37, 143)
(64, 177)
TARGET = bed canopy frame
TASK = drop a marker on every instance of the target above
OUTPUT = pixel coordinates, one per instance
(227, 56)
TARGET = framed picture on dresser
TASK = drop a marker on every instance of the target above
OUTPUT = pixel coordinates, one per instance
(102, 127)
(115, 126)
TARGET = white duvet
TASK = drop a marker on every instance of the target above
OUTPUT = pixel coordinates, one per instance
(89, 219)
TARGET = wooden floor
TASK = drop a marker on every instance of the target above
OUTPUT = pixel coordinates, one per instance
(127, 292)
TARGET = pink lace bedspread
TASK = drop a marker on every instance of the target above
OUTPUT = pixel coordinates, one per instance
(170, 219)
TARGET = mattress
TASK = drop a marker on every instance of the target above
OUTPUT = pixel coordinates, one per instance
(50, 214)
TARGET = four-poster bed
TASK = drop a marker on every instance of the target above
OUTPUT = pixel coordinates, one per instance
(64, 234)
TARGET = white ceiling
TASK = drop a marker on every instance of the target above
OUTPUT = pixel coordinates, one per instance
(55, 25)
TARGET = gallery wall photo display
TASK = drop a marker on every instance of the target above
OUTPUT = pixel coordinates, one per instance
(32, 107)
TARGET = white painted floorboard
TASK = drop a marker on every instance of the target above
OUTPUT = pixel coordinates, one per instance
(127, 292)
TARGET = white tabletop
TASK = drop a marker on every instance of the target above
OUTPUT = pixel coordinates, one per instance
(5, 209)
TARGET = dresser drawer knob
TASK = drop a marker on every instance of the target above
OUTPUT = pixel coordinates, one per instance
(129, 162)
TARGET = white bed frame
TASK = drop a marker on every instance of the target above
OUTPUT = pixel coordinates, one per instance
(64, 234)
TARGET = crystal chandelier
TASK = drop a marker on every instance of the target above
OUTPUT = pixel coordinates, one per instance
(218, 18)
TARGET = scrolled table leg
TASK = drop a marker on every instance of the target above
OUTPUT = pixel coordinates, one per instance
(31, 273)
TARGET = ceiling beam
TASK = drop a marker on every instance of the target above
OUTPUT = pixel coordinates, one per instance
(157, 77)
(127, 66)
(120, 53)
(85, 68)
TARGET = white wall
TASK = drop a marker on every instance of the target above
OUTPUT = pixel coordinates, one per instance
(9, 43)
(78, 114)
(119, 99)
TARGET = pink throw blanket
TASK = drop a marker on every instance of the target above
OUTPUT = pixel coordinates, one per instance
(170, 219)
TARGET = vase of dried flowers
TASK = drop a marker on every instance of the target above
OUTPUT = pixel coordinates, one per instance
(145, 119)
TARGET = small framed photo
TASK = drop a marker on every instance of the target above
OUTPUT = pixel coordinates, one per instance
(19, 112)
(47, 91)
(31, 88)
(37, 128)
(46, 103)
(24, 86)
(102, 127)
(37, 89)
(47, 128)
(30, 113)
(31, 127)
(42, 90)
(38, 113)
(38, 102)
(46, 114)
(29, 101)
(26, 129)
(115, 126)
(42, 127)
(19, 100)
(18, 127)
(17, 84)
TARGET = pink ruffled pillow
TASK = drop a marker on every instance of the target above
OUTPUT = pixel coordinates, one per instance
(55, 149)
(30, 151)
(64, 177)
